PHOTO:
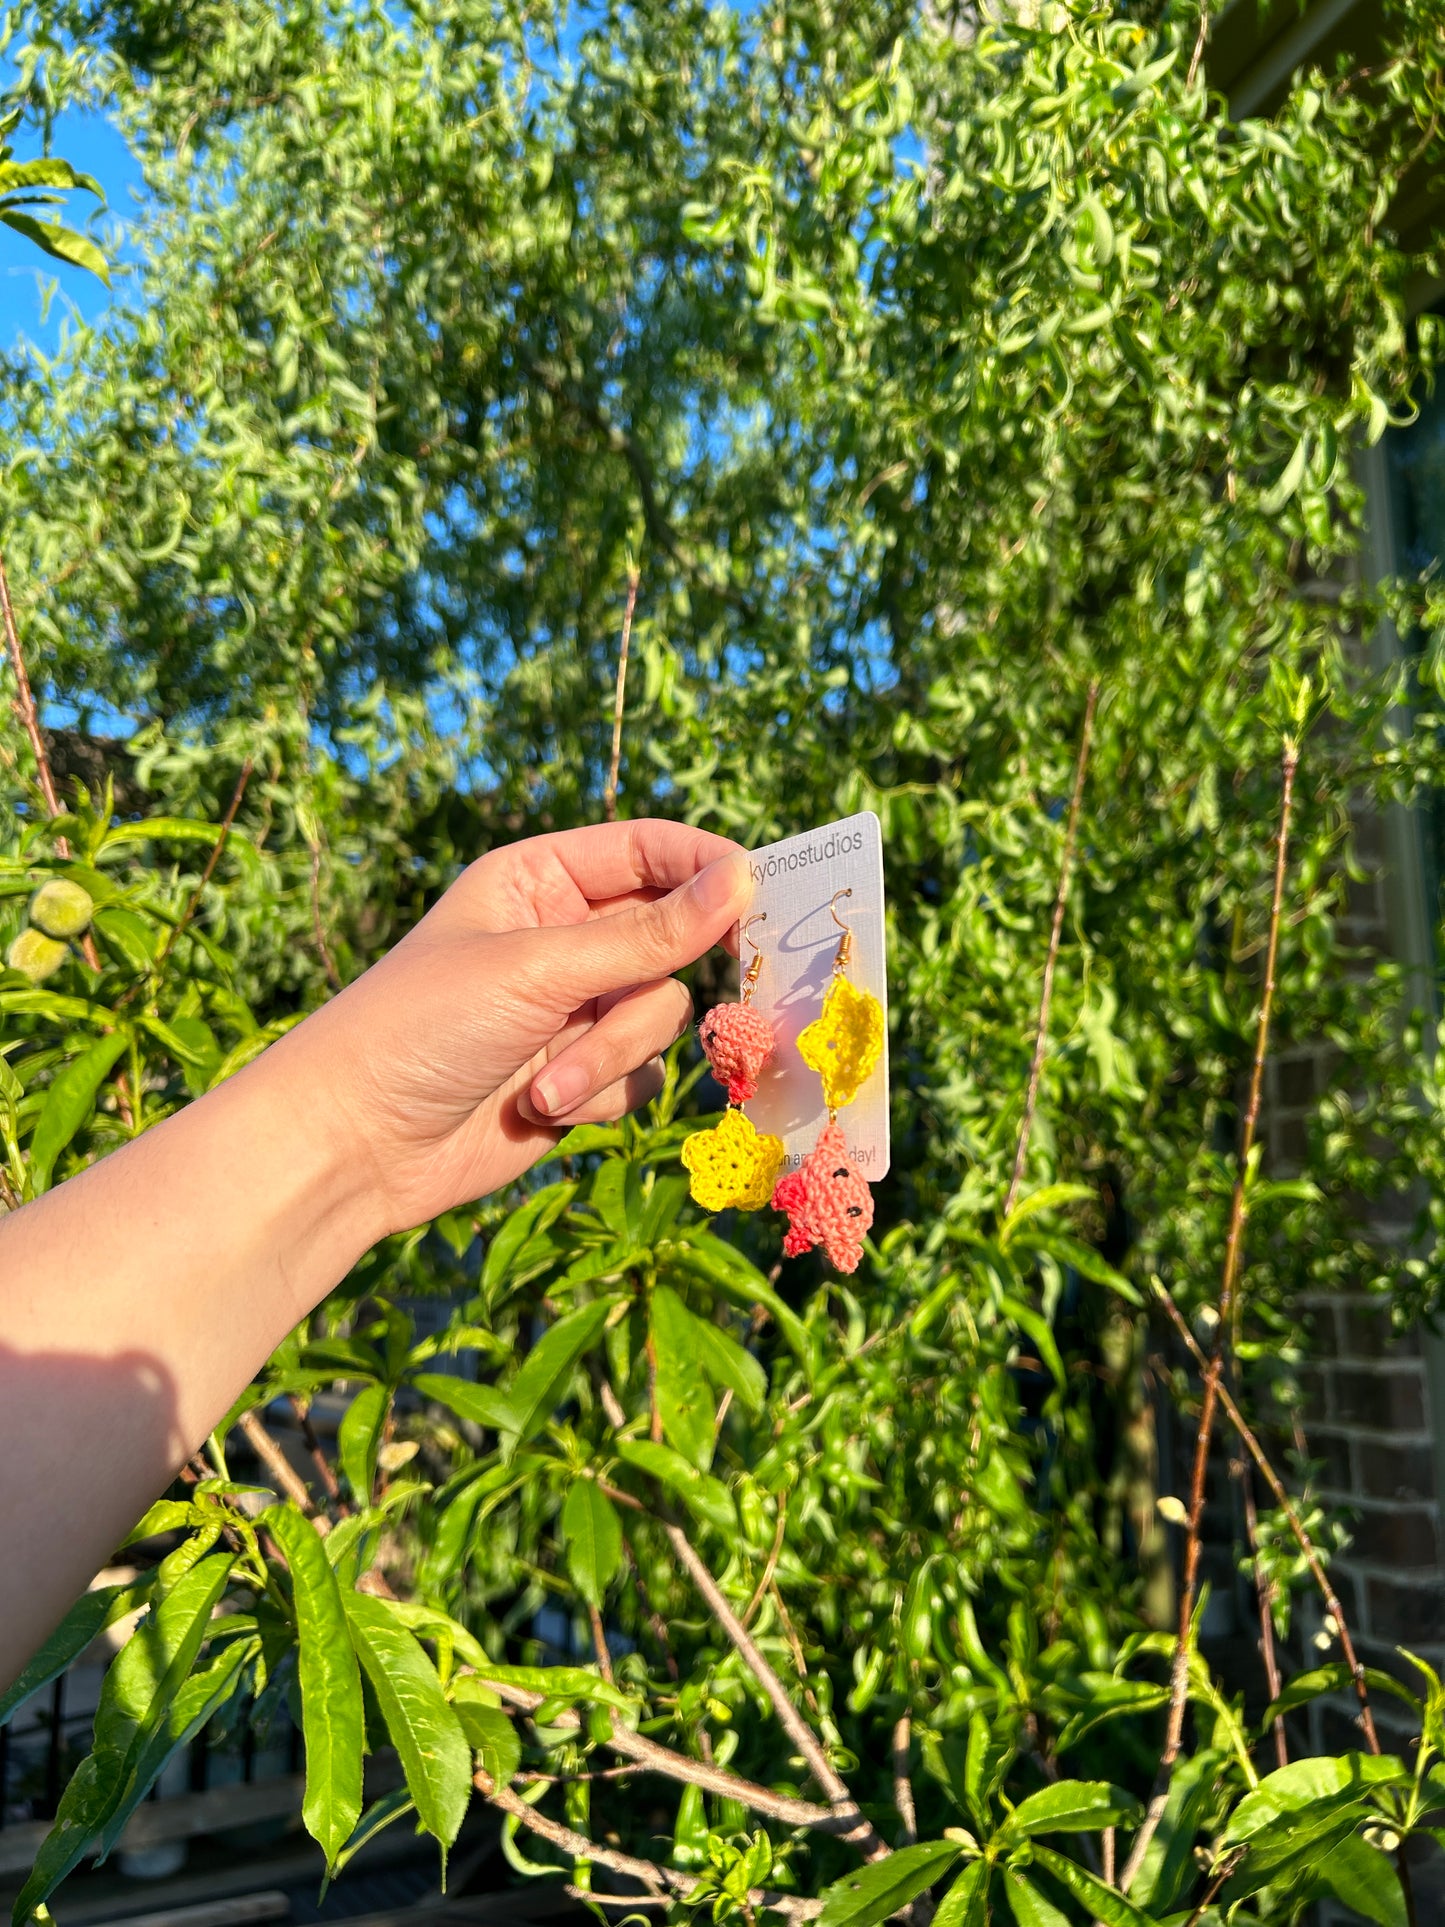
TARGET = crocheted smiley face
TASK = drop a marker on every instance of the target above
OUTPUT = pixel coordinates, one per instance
(828, 1203)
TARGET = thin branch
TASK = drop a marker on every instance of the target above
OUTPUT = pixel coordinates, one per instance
(212, 860)
(902, 1784)
(318, 1458)
(1214, 1886)
(1046, 995)
(774, 1553)
(1214, 1370)
(653, 1877)
(649, 1756)
(318, 929)
(1264, 1587)
(1296, 1525)
(24, 707)
(599, 1643)
(619, 704)
(288, 1480)
(1199, 43)
(794, 1725)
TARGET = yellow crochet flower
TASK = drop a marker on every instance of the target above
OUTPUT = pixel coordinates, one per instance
(844, 1044)
(733, 1165)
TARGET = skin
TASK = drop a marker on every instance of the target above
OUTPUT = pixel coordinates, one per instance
(139, 1298)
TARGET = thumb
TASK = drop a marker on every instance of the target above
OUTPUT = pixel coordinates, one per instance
(652, 940)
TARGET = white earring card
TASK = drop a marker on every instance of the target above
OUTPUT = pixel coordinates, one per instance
(798, 885)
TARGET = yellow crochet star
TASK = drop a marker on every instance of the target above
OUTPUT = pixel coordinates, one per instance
(732, 1165)
(844, 1044)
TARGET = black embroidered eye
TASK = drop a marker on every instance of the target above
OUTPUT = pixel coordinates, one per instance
(841, 1172)
(855, 1210)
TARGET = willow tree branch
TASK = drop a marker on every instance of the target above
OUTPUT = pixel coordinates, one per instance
(1214, 1369)
(860, 1833)
(1046, 994)
(177, 929)
(619, 703)
(1298, 1530)
(653, 1877)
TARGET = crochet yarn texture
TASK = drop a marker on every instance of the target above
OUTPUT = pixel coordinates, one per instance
(738, 1041)
(845, 1043)
(827, 1202)
(732, 1165)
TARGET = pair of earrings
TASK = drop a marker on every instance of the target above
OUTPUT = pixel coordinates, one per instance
(826, 1201)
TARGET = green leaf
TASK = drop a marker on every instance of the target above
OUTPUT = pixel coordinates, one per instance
(483, 1405)
(729, 1366)
(1070, 1806)
(424, 1729)
(137, 1691)
(708, 1498)
(376, 1819)
(1027, 1904)
(1290, 476)
(358, 1439)
(86, 1620)
(490, 1734)
(593, 1533)
(69, 1102)
(332, 1717)
(707, 1257)
(547, 1370)
(1047, 1198)
(872, 1893)
(966, 1902)
(504, 1263)
(1336, 1679)
(196, 1701)
(1364, 1878)
(1108, 1905)
(1295, 1841)
(1305, 1783)
(684, 1397)
(61, 242)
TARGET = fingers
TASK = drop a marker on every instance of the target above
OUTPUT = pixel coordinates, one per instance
(609, 859)
(634, 1029)
(629, 1093)
(652, 940)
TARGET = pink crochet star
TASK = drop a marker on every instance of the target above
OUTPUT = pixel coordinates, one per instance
(827, 1202)
(738, 1041)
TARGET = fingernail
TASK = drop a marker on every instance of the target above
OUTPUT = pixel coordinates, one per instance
(559, 1089)
(721, 883)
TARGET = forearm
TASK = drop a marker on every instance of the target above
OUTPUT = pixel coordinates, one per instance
(138, 1300)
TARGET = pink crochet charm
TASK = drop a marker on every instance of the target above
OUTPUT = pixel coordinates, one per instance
(828, 1203)
(738, 1041)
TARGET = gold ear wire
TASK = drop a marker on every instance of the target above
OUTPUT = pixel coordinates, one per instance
(755, 966)
(845, 942)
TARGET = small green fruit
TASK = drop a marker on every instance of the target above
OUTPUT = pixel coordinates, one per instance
(36, 955)
(61, 908)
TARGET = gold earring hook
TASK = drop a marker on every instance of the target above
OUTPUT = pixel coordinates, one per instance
(755, 966)
(845, 942)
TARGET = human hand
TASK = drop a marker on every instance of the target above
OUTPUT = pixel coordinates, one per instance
(536, 995)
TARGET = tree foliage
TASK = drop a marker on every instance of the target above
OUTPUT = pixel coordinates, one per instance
(944, 381)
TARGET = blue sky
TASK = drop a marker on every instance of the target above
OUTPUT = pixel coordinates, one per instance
(90, 142)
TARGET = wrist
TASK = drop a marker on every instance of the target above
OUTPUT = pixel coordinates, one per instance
(308, 1160)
